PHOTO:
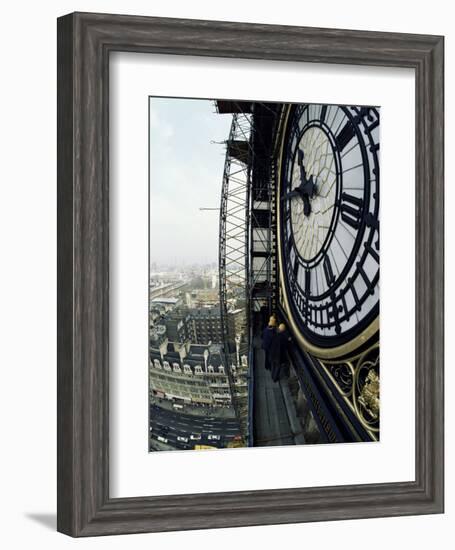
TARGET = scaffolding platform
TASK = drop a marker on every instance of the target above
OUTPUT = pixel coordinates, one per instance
(275, 419)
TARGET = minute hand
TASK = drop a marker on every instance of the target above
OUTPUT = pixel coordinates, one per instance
(307, 187)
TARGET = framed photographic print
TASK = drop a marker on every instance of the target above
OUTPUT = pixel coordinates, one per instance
(250, 254)
(292, 252)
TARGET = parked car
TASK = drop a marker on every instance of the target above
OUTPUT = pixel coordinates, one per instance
(213, 437)
(195, 437)
(162, 439)
(182, 438)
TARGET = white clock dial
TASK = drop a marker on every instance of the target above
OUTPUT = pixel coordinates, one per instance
(329, 219)
(311, 231)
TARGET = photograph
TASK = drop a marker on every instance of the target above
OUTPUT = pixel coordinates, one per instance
(263, 273)
(231, 350)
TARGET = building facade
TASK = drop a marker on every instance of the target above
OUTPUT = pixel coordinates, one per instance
(194, 375)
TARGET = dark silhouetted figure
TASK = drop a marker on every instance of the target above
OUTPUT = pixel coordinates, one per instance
(278, 353)
(268, 335)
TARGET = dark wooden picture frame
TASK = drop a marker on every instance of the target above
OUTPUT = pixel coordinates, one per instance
(84, 44)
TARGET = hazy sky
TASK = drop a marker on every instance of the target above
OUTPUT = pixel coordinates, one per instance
(186, 172)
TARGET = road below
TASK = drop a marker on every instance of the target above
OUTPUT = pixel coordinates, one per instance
(170, 425)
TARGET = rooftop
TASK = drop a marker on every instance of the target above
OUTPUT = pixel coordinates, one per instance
(164, 300)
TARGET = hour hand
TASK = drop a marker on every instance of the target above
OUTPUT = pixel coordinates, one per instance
(294, 193)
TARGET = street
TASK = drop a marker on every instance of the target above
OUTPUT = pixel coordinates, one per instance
(171, 424)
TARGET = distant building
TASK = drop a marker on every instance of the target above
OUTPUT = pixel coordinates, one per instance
(157, 335)
(192, 374)
(165, 304)
(179, 326)
(160, 289)
(202, 297)
(207, 324)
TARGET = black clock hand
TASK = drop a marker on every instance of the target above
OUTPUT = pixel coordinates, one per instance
(306, 205)
(300, 156)
(306, 188)
(294, 193)
(298, 193)
(309, 187)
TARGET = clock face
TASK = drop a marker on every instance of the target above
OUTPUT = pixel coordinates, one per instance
(329, 220)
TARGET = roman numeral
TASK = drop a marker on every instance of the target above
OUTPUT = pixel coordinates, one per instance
(307, 282)
(345, 306)
(365, 278)
(323, 113)
(372, 251)
(328, 271)
(296, 267)
(354, 294)
(370, 117)
(307, 313)
(333, 313)
(313, 320)
(351, 210)
(345, 135)
(292, 285)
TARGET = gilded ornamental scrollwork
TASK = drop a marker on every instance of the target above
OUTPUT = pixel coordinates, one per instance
(358, 382)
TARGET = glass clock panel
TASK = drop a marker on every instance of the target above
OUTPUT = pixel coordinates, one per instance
(329, 212)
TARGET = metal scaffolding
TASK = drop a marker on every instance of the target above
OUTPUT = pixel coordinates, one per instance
(234, 242)
(247, 228)
(262, 272)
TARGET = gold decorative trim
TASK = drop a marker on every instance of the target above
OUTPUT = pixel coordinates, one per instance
(326, 353)
(355, 363)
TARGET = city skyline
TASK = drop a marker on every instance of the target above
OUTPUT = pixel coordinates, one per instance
(198, 362)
